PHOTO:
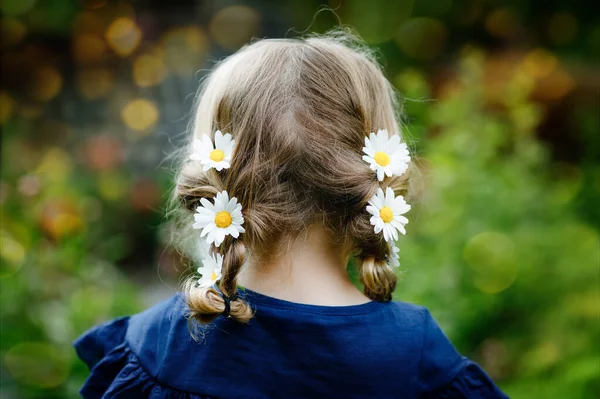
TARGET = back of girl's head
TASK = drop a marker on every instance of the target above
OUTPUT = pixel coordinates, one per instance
(299, 111)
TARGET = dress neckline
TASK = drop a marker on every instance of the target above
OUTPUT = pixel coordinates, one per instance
(340, 310)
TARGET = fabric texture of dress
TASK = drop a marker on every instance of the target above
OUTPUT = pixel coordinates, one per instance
(288, 350)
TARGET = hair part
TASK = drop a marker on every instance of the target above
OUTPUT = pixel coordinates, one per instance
(299, 110)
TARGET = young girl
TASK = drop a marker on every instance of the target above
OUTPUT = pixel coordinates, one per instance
(296, 165)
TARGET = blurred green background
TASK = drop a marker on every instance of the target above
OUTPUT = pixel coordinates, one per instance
(501, 109)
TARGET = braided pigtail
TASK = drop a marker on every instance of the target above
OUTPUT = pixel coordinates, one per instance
(376, 230)
(377, 276)
(220, 221)
(207, 303)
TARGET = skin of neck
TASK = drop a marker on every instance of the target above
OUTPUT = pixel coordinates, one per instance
(311, 271)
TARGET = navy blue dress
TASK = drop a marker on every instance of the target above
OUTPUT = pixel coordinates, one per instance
(289, 350)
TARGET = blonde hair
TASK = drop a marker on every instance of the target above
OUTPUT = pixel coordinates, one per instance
(299, 110)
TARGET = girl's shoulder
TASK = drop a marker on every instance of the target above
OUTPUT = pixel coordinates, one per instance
(119, 356)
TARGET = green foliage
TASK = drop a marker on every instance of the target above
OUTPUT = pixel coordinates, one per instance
(57, 276)
(496, 248)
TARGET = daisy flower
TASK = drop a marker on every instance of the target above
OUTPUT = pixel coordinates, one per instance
(210, 270)
(394, 258)
(387, 211)
(386, 155)
(217, 156)
(220, 219)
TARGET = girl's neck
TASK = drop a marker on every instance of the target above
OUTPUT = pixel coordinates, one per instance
(312, 272)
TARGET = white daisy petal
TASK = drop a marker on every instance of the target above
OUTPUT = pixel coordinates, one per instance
(370, 151)
(398, 226)
(219, 219)
(206, 145)
(385, 154)
(389, 195)
(387, 210)
(203, 219)
(233, 231)
(208, 229)
(204, 211)
(218, 139)
(401, 219)
(393, 143)
(393, 231)
(376, 201)
(206, 204)
(386, 234)
(231, 205)
(228, 147)
(224, 197)
(372, 210)
(219, 237)
(216, 156)
(210, 270)
(394, 260)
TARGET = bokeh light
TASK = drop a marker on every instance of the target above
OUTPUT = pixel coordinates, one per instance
(140, 114)
(38, 364)
(29, 185)
(46, 83)
(12, 254)
(492, 258)
(103, 152)
(556, 85)
(539, 63)
(149, 69)
(123, 36)
(184, 49)
(12, 31)
(234, 26)
(89, 48)
(61, 218)
(112, 186)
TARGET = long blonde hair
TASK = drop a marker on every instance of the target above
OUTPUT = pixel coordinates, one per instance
(299, 110)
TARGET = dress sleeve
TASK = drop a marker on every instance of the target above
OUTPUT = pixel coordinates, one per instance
(115, 371)
(445, 374)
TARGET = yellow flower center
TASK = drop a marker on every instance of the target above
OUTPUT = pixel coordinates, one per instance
(213, 276)
(382, 158)
(216, 155)
(223, 219)
(386, 214)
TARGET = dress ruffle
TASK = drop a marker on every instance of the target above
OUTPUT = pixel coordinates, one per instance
(471, 382)
(116, 372)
